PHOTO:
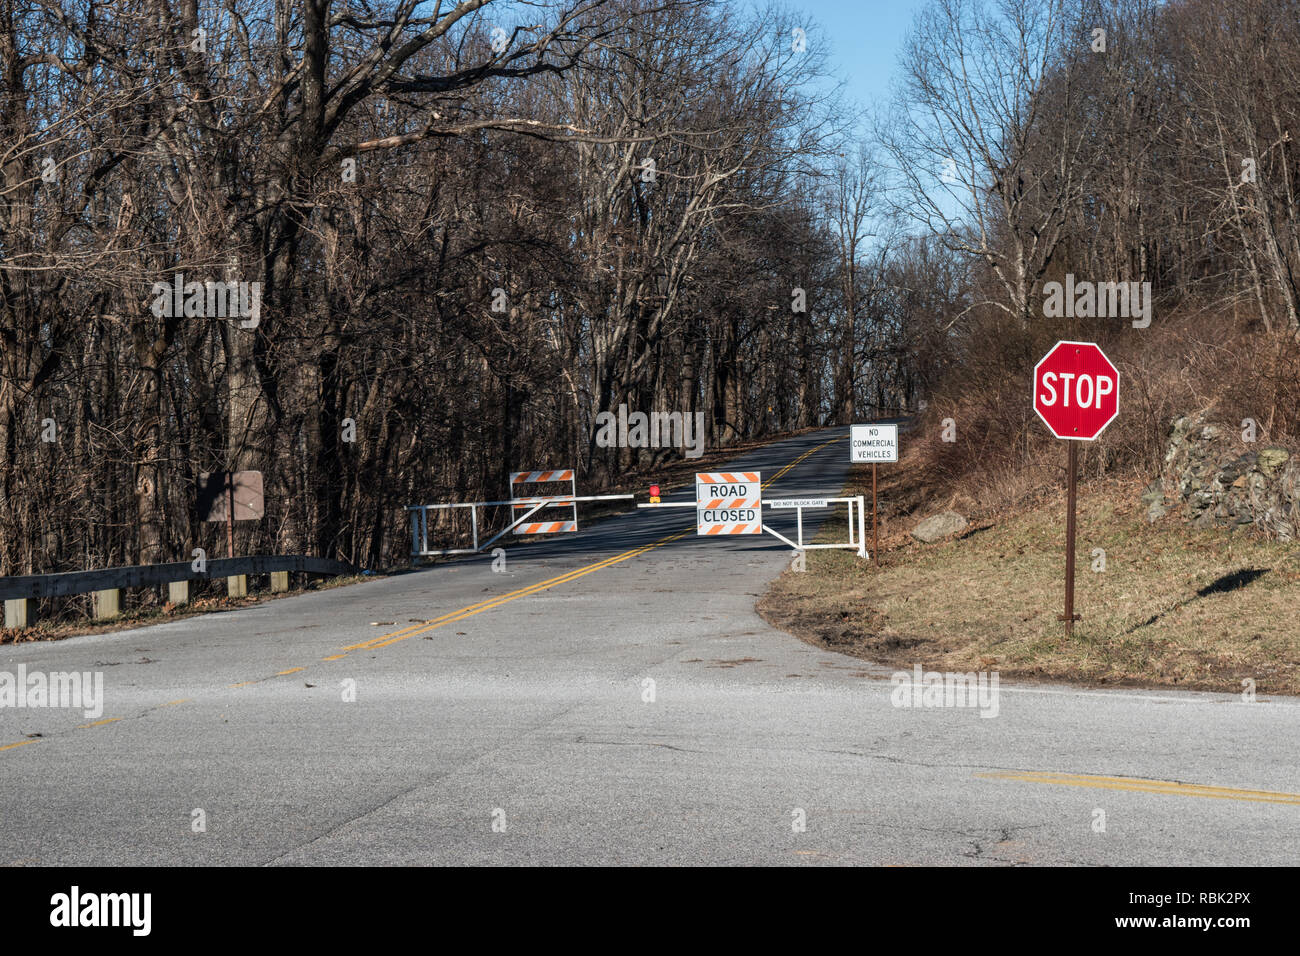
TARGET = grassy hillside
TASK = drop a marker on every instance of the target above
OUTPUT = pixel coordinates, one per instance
(1174, 606)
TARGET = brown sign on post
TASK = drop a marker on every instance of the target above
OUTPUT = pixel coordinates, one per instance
(246, 490)
(227, 494)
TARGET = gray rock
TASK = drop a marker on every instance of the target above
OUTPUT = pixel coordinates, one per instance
(1271, 459)
(939, 526)
(1154, 499)
(1238, 467)
(1210, 480)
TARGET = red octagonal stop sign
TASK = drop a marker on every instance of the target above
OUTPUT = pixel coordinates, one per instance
(1076, 390)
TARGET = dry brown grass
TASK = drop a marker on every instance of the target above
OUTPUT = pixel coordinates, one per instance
(1175, 606)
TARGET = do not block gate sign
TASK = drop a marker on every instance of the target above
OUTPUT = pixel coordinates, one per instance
(729, 502)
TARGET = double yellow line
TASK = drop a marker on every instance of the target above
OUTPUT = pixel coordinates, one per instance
(1143, 785)
(406, 633)
(384, 640)
(810, 451)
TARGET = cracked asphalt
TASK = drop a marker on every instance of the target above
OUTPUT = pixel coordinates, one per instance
(635, 709)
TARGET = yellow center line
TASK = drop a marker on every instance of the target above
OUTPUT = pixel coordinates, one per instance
(395, 637)
(383, 640)
(524, 592)
(420, 627)
(811, 451)
(99, 723)
(386, 640)
(95, 723)
(1143, 785)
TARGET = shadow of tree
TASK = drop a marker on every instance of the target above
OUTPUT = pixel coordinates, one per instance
(1228, 582)
(1233, 581)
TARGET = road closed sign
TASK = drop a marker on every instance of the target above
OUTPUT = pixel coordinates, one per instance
(873, 443)
(729, 502)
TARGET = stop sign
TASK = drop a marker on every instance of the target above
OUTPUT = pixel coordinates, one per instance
(1076, 390)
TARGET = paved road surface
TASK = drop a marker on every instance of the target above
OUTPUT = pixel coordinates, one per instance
(530, 711)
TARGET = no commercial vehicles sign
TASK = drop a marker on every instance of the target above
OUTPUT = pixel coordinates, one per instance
(1076, 390)
(872, 443)
(729, 502)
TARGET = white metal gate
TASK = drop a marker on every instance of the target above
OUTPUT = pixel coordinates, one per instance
(521, 509)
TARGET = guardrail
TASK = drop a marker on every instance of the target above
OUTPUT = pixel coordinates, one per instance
(106, 583)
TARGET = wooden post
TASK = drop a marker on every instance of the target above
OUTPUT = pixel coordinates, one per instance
(106, 604)
(237, 585)
(20, 612)
(178, 592)
(279, 581)
(230, 514)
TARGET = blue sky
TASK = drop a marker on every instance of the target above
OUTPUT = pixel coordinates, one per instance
(866, 37)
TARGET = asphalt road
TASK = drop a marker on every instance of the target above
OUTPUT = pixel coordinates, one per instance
(517, 727)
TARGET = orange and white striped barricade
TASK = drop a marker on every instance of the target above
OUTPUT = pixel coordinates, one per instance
(522, 510)
(728, 502)
(530, 503)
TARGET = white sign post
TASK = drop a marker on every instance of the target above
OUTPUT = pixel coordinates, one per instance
(729, 502)
(874, 444)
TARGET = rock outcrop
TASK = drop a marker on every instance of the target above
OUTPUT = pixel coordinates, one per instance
(1210, 479)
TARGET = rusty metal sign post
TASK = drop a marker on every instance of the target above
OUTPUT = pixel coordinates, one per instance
(875, 520)
(1076, 394)
(1072, 487)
